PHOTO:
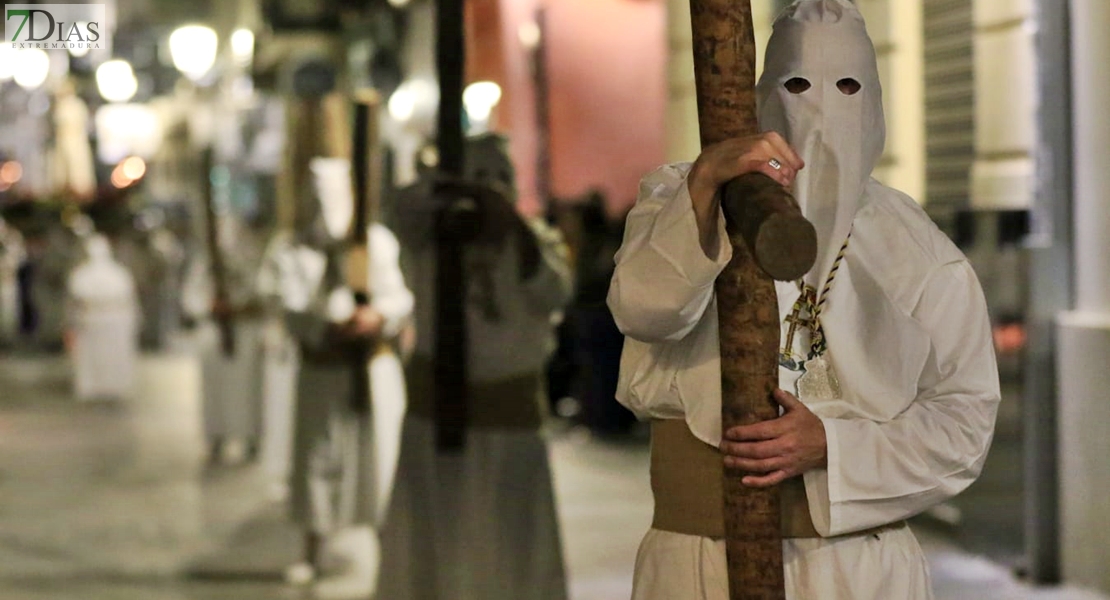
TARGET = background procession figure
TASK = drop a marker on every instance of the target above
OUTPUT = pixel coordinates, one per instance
(12, 255)
(53, 250)
(886, 374)
(480, 523)
(103, 324)
(232, 377)
(346, 441)
(73, 166)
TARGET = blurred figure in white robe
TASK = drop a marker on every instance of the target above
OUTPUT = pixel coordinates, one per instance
(481, 524)
(344, 457)
(74, 171)
(103, 325)
(232, 383)
(280, 362)
(12, 255)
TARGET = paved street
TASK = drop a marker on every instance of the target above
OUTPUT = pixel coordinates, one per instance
(110, 501)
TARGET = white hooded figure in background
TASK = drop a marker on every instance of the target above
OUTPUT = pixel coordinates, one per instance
(232, 384)
(481, 524)
(104, 324)
(344, 458)
(887, 373)
(12, 255)
(74, 169)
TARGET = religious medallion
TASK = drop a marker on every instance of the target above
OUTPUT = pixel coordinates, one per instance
(819, 382)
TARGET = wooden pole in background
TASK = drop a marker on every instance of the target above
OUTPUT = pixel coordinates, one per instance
(450, 352)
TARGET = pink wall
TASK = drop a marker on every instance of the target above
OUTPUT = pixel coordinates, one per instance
(606, 68)
(516, 116)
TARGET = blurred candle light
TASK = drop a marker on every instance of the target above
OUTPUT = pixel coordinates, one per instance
(193, 50)
(79, 50)
(133, 167)
(479, 98)
(129, 171)
(402, 104)
(116, 81)
(31, 68)
(529, 34)
(8, 56)
(11, 172)
(242, 45)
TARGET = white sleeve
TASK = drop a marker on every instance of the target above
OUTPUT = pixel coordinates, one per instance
(882, 472)
(663, 280)
(389, 294)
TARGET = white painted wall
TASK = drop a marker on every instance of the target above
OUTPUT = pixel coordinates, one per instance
(899, 45)
(1004, 173)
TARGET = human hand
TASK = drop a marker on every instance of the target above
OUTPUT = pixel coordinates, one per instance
(500, 218)
(721, 162)
(366, 323)
(222, 309)
(778, 449)
(724, 161)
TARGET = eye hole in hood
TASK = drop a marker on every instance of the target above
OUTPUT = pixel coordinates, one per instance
(848, 86)
(797, 85)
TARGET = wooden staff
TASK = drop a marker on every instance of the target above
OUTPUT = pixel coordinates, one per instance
(366, 180)
(770, 238)
(224, 320)
(450, 283)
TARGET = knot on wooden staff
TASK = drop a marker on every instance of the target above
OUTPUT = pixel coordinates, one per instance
(768, 218)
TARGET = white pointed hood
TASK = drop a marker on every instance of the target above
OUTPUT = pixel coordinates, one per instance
(839, 135)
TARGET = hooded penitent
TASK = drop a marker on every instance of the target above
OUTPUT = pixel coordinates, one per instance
(820, 90)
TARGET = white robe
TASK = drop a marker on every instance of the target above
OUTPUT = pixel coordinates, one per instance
(232, 385)
(343, 462)
(104, 318)
(12, 255)
(481, 525)
(909, 337)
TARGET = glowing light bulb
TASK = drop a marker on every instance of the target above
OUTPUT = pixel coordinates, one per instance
(116, 81)
(193, 50)
(32, 66)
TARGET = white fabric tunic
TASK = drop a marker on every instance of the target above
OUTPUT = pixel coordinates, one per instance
(12, 255)
(103, 316)
(908, 336)
(343, 462)
(232, 402)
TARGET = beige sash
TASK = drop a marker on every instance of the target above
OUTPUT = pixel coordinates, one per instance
(687, 481)
(513, 403)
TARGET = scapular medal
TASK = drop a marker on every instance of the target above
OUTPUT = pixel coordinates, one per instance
(819, 381)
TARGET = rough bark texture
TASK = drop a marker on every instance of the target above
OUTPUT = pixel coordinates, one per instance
(769, 221)
(759, 210)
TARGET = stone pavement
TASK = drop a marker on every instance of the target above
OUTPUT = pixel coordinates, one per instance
(110, 501)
